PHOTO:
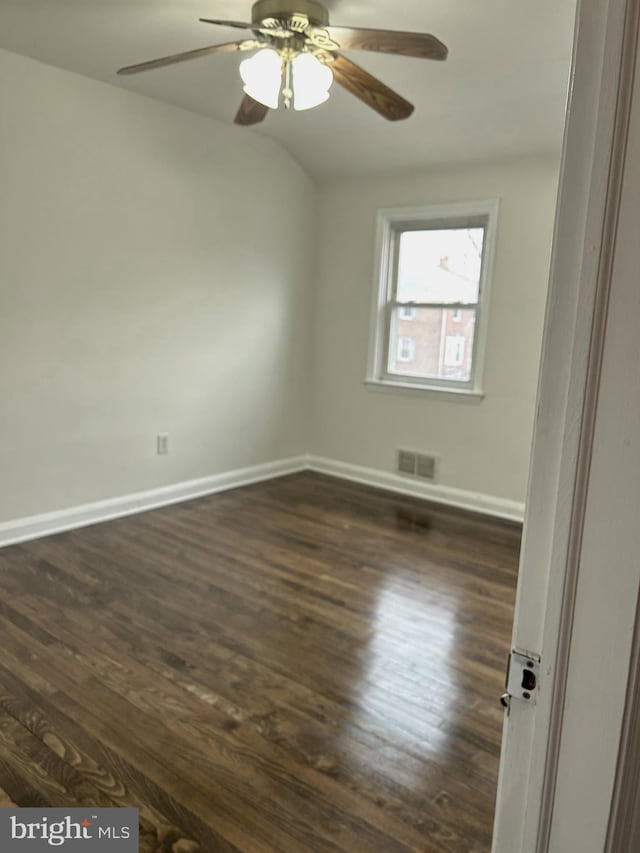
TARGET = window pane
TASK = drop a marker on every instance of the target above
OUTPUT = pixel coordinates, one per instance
(436, 344)
(441, 265)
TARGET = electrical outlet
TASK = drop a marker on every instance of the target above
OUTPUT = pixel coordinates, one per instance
(163, 443)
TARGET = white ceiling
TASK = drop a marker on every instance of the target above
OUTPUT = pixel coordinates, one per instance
(500, 94)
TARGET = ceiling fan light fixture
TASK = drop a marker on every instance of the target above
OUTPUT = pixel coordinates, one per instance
(298, 58)
(262, 77)
(312, 80)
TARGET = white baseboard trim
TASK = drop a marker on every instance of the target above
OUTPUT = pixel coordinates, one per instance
(35, 526)
(474, 501)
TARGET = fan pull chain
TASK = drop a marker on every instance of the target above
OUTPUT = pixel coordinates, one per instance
(287, 92)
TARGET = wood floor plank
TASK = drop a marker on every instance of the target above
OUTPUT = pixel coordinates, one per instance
(300, 665)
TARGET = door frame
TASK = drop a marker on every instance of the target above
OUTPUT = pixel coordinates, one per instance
(624, 821)
(577, 308)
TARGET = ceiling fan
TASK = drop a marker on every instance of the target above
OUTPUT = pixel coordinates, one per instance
(298, 59)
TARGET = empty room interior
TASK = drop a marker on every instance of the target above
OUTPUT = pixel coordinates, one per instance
(268, 364)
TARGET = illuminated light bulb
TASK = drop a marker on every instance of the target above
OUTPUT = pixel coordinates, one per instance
(262, 77)
(311, 82)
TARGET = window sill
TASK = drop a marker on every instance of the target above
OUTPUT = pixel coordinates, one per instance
(469, 395)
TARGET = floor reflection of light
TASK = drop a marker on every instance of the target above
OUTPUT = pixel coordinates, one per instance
(407, 676)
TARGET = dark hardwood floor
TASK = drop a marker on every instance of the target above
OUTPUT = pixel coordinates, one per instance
(300, 665)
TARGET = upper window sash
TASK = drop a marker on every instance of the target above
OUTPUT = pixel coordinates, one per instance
(455, 224)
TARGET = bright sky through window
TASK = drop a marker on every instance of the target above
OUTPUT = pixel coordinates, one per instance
(440, 265)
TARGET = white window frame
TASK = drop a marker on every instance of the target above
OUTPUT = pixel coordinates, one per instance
(391, 223)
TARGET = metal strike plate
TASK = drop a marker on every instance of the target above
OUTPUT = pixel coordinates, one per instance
(523, 675)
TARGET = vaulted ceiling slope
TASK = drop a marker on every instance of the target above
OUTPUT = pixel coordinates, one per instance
(500, 94)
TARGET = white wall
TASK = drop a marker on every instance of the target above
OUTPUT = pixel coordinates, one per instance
(484, 446)
(151, 280)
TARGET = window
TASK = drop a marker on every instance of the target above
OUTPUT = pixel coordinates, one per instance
(434, 270)
(406, 349)
(454, 350)
(407, 313)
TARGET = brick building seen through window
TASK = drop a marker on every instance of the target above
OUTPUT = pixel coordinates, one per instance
(434, 342)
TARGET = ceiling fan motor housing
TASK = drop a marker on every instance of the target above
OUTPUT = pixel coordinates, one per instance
(279, 10)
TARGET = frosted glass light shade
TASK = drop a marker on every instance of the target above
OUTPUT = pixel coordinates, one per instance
(311, 82)
(262, 77)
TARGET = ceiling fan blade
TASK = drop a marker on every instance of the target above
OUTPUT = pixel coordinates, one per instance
(239, 25)
(372, 91)
(251, 112)
(420, 45)
(181, 57)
